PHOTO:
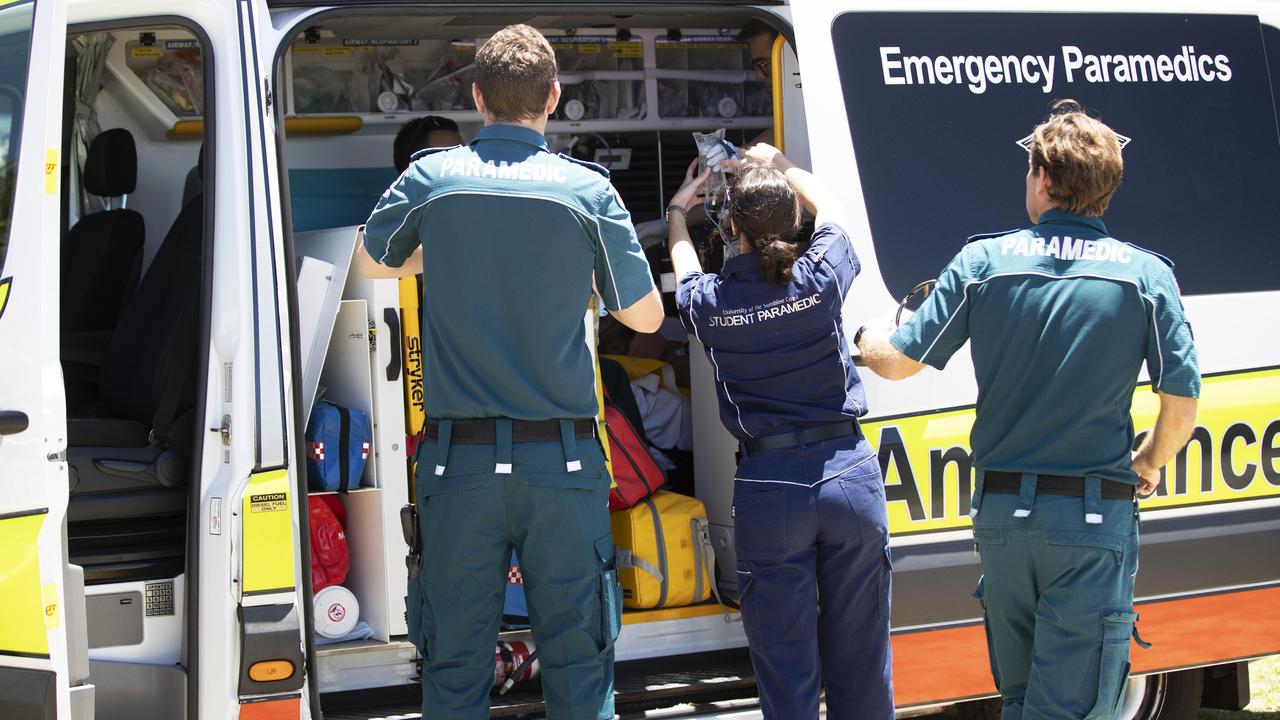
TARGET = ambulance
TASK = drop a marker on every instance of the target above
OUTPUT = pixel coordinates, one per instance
(181, 189)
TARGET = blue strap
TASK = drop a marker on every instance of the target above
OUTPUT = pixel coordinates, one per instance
(444, 436)
(1026, 495)
(1138, 638)
(570, 444)
(502, 448)
(1093, 500)
(980, 477)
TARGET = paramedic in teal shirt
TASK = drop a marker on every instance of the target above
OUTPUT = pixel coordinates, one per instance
(808, 498)
(1060, 318)
(512, 239)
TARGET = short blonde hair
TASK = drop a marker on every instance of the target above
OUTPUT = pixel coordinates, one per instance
(515, 70)
(1082, 157)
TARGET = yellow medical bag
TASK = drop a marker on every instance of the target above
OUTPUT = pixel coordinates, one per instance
(664, 551)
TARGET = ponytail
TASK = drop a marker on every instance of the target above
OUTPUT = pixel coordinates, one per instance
(766, 210)
(776, 258)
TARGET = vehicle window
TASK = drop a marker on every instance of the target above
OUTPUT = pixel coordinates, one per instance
(15, 52)
(938, 101)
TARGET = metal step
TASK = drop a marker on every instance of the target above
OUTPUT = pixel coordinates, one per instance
(639, 685)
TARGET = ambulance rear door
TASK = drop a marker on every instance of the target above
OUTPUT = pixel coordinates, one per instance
(43, 655)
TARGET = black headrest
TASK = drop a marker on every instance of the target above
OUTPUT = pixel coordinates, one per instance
(111, 170)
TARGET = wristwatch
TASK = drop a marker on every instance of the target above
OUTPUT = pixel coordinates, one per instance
(674, 208)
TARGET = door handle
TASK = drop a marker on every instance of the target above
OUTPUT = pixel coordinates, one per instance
(13, 422)
(391, 316)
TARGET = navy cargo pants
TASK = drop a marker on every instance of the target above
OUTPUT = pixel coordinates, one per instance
(1058, 594)
(812, 544)
(487, 500)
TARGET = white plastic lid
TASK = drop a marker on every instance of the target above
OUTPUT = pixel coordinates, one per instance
(575, 109)
(336, 611)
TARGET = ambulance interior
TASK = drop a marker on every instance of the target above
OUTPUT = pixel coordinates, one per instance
(635, 89)
(132, 299)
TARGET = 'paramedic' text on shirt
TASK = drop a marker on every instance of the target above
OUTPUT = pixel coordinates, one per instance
(1067, 248)
(531, 171)
(765, 312)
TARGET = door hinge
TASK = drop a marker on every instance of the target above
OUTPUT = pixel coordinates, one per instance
(373, 338)
(58, 457)
(266, 92)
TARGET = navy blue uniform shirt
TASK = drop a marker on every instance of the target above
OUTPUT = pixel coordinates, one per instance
(780, 354)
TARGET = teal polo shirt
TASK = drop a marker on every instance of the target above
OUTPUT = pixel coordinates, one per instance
(1061, 317)
(513, 237)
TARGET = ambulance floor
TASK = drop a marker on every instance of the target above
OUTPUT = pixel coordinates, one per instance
(682, 686)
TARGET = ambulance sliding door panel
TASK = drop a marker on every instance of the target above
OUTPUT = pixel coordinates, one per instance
(938, 103)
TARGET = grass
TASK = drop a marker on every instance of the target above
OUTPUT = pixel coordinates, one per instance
(1264, 689)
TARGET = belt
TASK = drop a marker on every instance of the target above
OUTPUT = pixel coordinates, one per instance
(484, 431)
(844, 428)
(1008, 483)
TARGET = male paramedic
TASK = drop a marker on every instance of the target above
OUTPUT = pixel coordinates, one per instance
(1061, 317)
(511, 239)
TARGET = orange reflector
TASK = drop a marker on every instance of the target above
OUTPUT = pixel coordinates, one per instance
(286, 709)
(271, 670)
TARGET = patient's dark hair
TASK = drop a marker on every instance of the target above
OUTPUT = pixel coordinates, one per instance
(766, 211)
(414, 136)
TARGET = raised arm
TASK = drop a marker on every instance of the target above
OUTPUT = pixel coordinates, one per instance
(814, 195)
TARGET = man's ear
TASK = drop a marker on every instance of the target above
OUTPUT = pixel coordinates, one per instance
(553, 100)
(1043, 183)
(478, 97)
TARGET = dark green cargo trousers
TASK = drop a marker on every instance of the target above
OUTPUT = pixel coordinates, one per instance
(470, 517)
(1058, 594)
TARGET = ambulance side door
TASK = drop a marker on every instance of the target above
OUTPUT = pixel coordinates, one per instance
(40, 675)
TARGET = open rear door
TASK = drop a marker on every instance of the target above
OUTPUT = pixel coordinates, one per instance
(40, 675)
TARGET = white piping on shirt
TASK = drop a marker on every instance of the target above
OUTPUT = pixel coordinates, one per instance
(711, 354)
(1134, 283)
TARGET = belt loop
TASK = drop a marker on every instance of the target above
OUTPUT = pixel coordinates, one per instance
(502, 447)
(1026, 495)
(444, 434)
(569, 441)
(1093, 500)
(979, 477)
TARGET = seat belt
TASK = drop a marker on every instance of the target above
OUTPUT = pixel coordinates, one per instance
(167, 409)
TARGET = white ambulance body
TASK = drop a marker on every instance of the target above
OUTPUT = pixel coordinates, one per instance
(155, 559)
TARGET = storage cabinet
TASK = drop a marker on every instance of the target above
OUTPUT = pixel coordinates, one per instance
(610, 82)
(360, 368)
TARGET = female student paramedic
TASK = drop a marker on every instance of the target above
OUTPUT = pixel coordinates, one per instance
(808, 499)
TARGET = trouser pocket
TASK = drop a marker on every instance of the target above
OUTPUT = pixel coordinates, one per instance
(749, 607)
(413, 613)
(1113, 666)
(980, 594)
(609, 592)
